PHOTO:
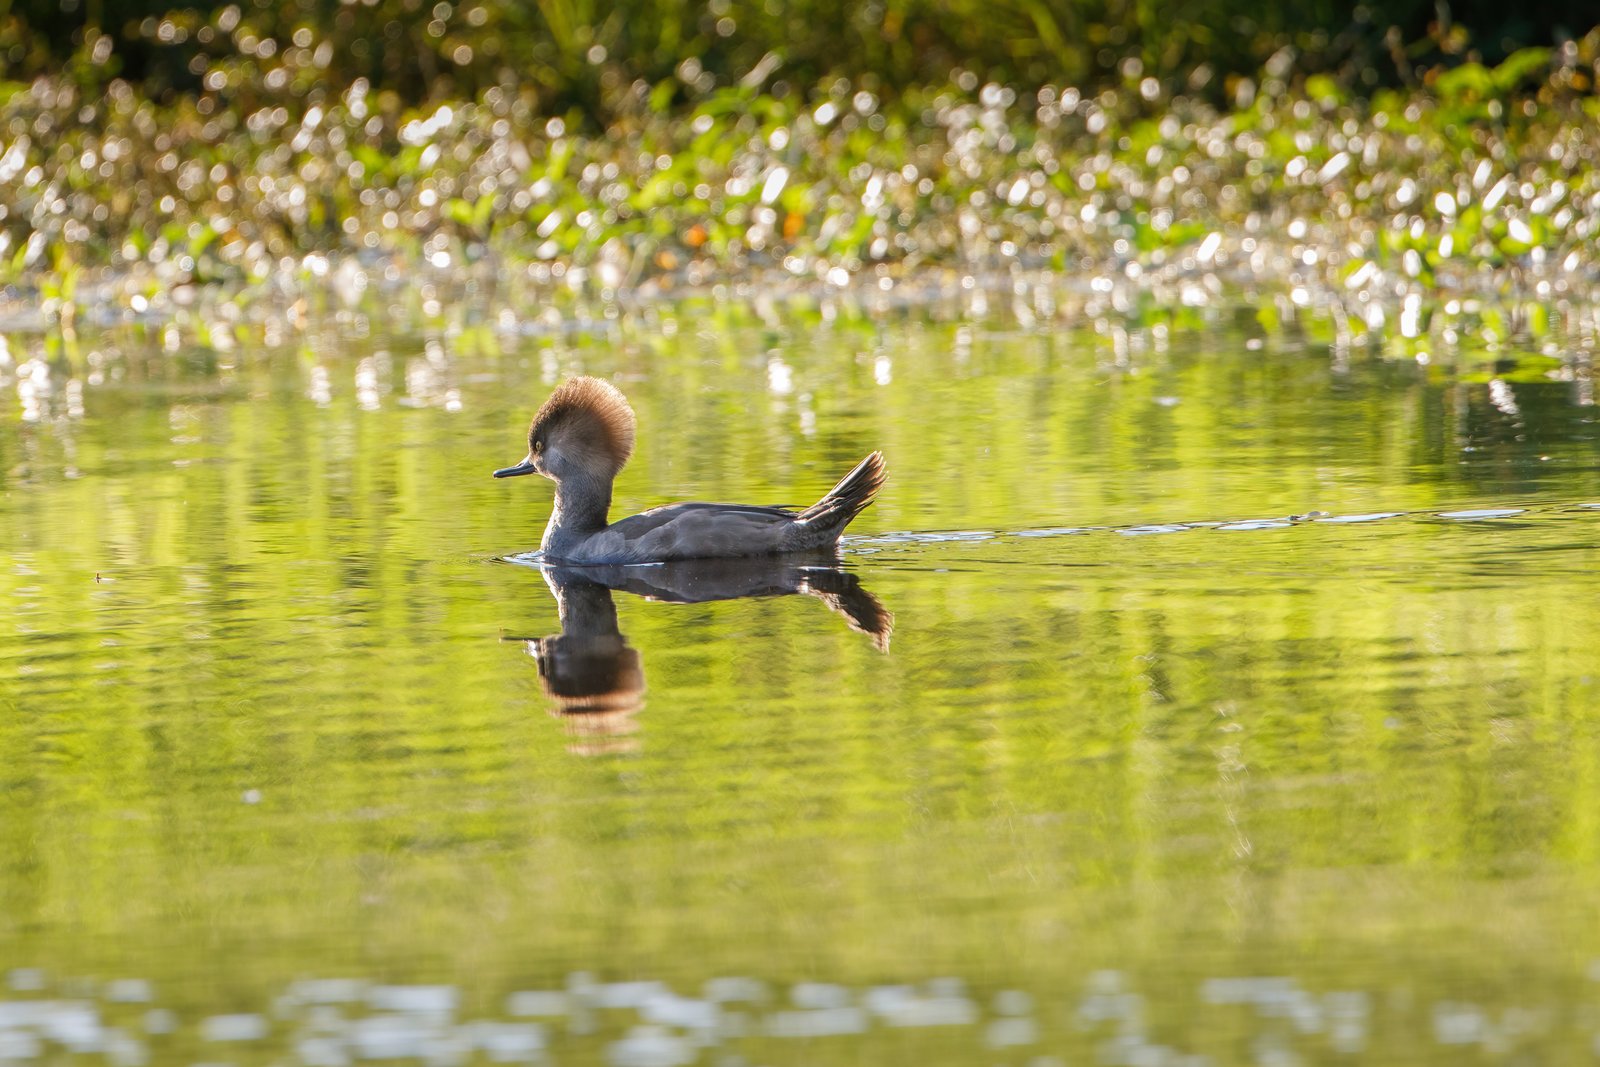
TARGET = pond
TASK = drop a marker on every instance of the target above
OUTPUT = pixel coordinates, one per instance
(1238, 705)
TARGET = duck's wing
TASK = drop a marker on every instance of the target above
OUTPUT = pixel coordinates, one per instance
(691, 531)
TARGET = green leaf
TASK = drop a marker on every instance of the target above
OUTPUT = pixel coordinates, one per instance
(481, 211)
(1519, 65)
(1470, 81)
(662, 95)
(556, 166)
(202, 241)
(1324, 90)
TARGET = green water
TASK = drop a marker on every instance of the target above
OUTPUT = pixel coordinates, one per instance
(1125, 787)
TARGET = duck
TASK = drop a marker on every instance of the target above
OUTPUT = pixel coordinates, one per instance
(583, 436)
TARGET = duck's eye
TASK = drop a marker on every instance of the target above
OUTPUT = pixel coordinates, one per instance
(538, 444)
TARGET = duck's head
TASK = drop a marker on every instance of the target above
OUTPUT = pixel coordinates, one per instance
(585, 428)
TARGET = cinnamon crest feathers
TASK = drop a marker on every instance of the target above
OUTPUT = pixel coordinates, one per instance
(594, 413)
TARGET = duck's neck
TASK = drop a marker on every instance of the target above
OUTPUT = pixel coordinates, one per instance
(582, 501)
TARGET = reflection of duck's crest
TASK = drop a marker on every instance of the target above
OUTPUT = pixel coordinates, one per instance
(588, 675)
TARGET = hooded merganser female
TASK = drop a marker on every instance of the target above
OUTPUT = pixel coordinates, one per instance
(581, 438)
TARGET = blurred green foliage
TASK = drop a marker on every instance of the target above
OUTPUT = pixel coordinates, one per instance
(584, 54)
(191, 146)
(1483, 182)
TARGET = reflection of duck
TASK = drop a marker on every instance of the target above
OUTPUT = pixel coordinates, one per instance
(597, 679)
(697, 581)
(581, 438)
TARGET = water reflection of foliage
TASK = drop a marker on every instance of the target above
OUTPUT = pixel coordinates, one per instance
(1178, 756)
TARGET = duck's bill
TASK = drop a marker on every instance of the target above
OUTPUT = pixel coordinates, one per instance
(525, 467)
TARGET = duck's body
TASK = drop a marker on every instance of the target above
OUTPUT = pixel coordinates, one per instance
(699, 531)
(581, 438)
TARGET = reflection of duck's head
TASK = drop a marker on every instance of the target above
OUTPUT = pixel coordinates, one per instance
(594, 678)
(587, 675)
(583, 432)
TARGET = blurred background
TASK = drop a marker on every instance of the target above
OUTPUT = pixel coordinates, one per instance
(572, 56)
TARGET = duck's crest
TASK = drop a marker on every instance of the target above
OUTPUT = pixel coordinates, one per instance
(594, 401)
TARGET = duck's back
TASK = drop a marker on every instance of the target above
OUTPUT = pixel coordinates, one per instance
(724, 531)
(691, 531)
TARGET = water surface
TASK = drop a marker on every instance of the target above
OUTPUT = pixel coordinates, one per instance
(1241, 702)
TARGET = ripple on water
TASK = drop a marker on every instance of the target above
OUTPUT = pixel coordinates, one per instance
(1482, 513)
(1257, 524)
(1374, 516)
(909, 537)
(1158, 528)
(1029, 545)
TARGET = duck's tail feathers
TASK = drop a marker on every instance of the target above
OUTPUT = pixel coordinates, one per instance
(829, 516)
